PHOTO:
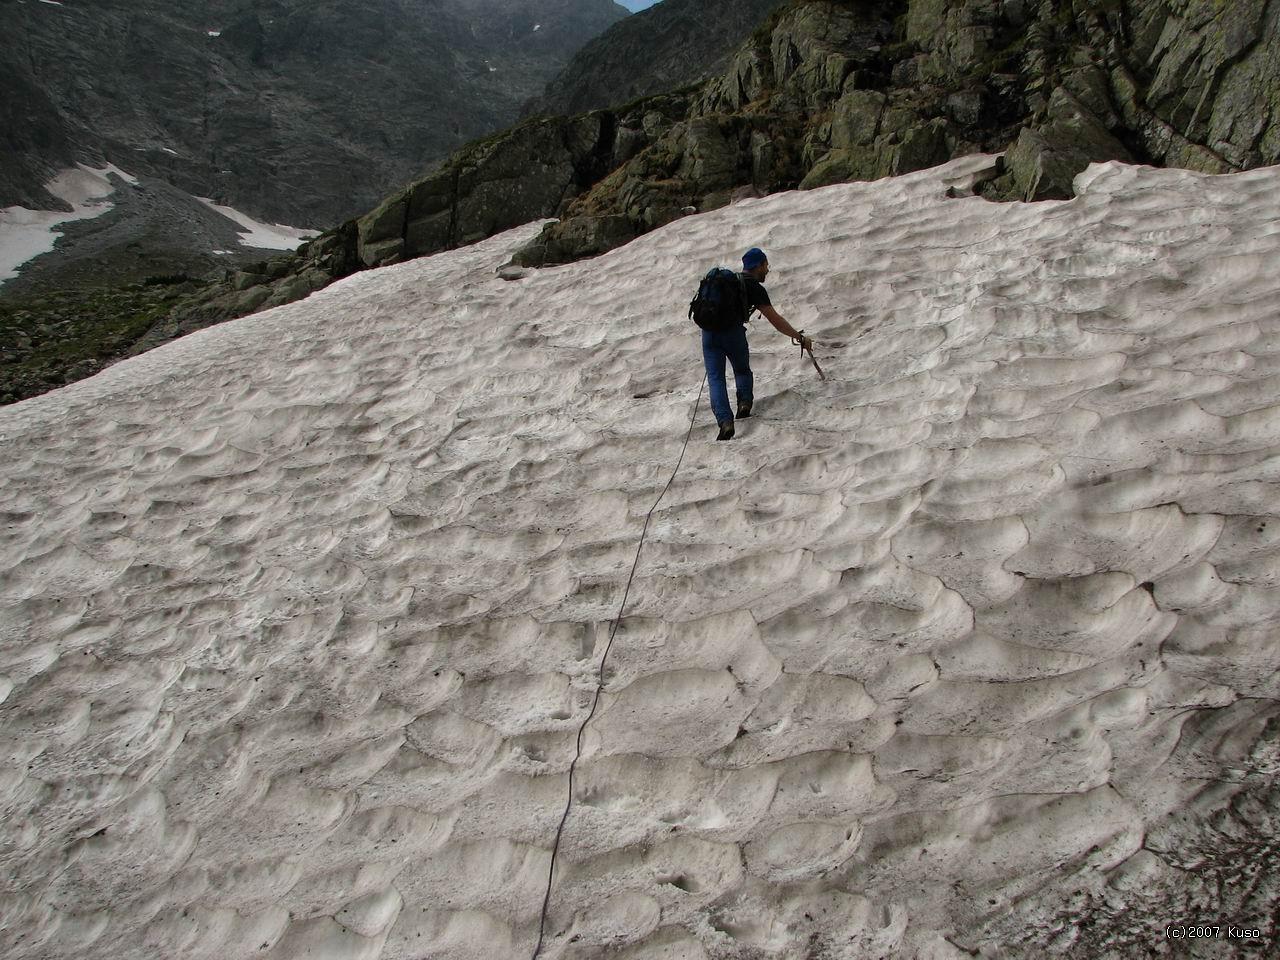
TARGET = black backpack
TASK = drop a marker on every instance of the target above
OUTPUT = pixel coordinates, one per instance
(721, 300)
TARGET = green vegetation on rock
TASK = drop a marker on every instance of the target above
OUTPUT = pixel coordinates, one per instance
(50, 340)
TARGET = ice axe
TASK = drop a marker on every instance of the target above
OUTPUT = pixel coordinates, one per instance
(804, 350)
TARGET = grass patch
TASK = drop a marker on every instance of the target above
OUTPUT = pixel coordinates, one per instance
(50, 340)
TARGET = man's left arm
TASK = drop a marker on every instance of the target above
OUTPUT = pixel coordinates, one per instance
(783, 327)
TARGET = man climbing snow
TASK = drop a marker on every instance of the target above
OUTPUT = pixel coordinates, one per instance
(732, 343)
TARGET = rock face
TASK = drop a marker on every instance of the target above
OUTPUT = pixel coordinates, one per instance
(296, 112)
(1184, 83)
(306, 619)
(512, 179)
(840, 91)
(760, 127)
(668, 46)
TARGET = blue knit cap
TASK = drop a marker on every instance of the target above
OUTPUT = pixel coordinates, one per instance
(753, 258)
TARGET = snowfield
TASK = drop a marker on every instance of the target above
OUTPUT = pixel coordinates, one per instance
(300, 615)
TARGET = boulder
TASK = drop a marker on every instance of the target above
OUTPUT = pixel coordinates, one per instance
(925, 20)
(296, 287)
(433, 232)
(1043, 162)
(921, 146)
(817, 46)
(521, 175)
(381, 232)
(627, 142)
(764, 158)
(432, 195)
(1036, 171)
(498, 204)
(855, 118)
(967, 47)
(966, 107)
(244, 279)
(575, 239)
(843, 166)
(382, 253)
(711, 154)
(1090, 86)
(747, 80)
(249, 301)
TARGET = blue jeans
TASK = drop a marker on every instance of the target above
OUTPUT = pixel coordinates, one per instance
(731, 343)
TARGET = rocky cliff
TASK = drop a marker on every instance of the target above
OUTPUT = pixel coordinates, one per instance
(841, 91)
(296, 112)
(663, 48)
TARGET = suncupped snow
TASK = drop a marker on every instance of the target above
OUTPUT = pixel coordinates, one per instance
(301, 614)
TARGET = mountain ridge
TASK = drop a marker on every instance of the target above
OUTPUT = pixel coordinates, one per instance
(671, 44)
(277, 108)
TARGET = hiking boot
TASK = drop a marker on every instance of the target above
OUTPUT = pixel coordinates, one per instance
(744, 409)
(726, 430)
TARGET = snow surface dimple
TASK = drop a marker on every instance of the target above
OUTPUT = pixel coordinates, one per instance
(301, 613)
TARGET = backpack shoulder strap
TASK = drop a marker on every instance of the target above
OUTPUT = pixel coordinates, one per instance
(742, 284)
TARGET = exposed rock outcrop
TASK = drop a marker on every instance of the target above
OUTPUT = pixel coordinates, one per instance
(670, 45)
(877, 89)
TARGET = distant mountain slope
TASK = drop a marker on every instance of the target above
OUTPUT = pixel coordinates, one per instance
(297, 112)
(670, 45)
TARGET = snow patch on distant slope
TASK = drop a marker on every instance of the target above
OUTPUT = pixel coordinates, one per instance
(25, 234)
(265, 236)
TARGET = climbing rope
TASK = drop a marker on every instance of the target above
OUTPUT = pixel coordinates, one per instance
(595, 700)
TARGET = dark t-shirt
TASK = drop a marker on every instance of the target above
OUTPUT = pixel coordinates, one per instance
(757, 295)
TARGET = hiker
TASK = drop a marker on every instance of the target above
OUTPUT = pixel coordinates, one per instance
(731, 342)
